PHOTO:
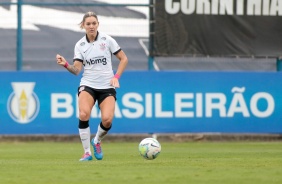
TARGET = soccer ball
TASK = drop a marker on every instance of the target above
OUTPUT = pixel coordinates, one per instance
(149, 148)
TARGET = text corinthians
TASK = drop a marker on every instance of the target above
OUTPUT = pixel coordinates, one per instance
(225, 7)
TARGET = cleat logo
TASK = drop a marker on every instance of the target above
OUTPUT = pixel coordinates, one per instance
(23, 103)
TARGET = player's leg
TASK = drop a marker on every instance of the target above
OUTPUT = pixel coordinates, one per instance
(107, 108)
(86, 103)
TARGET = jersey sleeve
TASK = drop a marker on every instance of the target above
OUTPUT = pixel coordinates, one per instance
(77, 54)
(114, 46)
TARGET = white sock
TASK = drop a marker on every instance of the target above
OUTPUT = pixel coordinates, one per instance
(85, 139)
(101, 133)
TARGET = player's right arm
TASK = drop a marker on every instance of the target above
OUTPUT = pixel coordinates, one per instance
(74, 69)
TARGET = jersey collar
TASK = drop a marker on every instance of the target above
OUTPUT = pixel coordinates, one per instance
(87, 39)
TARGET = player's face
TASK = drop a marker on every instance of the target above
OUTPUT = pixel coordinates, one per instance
(91, 25)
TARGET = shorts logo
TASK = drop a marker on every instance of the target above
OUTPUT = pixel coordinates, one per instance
(81, 88)
(23, 104)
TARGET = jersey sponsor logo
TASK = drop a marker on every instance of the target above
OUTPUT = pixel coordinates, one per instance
(23, 103)
(96, 61)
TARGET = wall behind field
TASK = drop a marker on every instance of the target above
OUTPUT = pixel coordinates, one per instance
(147, 102)
(55, 29)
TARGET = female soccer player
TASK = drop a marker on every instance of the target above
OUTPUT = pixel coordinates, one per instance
(98, 82)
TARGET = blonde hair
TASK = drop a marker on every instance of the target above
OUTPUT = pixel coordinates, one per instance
(86, 15)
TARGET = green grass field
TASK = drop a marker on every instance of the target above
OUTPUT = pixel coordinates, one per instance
(185, 163)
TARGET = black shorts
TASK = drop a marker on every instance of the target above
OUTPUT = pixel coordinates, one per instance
(98, 94)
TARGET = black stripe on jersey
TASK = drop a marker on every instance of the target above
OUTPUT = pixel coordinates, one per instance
(117, 51)
(76, 59)
(87, 39)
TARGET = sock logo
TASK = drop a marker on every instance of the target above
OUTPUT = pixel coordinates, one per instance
(23, 103)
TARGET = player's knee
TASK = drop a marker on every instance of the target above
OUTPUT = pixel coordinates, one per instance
(83, 115)
(107, 121)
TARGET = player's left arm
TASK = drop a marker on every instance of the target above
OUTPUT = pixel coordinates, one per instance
(121, 67)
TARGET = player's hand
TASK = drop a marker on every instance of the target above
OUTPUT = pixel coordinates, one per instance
(60, 60)
(115, 82)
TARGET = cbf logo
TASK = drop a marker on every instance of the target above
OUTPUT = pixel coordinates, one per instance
(23, 103)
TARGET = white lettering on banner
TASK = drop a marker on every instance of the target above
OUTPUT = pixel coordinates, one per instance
(199, 105)
(158, 108)
(179, 104)
(61, 105)
(215, 101)
(270, 108)
(174, 7)
(238, 104)
(186, 105)
(138, 109)
(225, 7)
(149, 105)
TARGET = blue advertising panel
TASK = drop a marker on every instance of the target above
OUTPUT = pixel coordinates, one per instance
(147, 102)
